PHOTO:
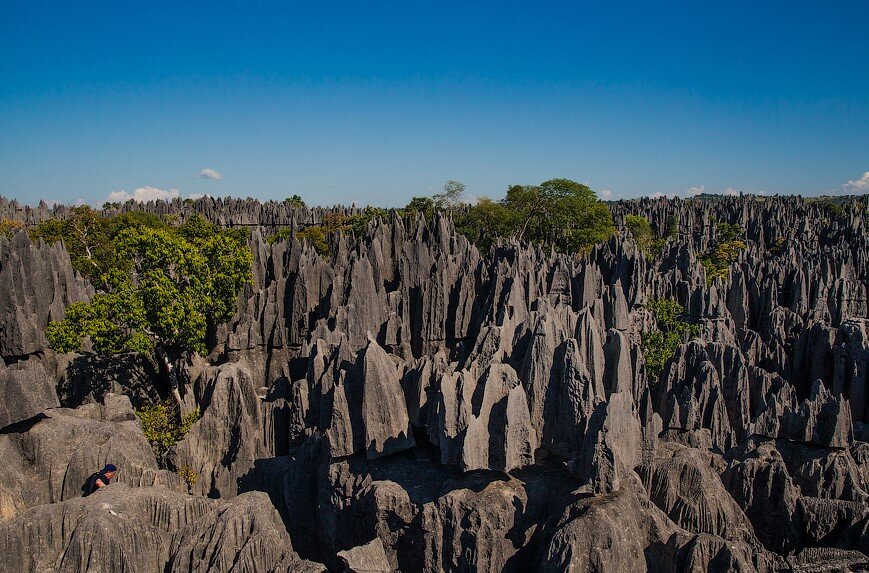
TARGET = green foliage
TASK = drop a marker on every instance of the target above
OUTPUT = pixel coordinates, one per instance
(641, 231)
(163, 426)
(727, 232)
(485, 222)
(424, 205)
(558, 212)
(660, 345)
(294, 202)
(161, 286)
(90, 238)
(317, 237)
(332, 223)
(86, 236)
(451, 196)
(777, 247)
(836, 210)
(359, 223)
(282, 234)
(189, 475)
(8, 227)
(670, 230)
(717, 262)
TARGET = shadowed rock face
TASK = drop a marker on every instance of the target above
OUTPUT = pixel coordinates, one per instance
(409, 403)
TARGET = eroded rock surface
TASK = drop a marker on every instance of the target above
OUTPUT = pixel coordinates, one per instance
(410, 403)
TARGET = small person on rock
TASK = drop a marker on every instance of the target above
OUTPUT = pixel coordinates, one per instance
(99, 479)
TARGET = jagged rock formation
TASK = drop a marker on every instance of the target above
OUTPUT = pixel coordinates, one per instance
(37, 283)
(410, 403)
(48, 458)
(150, 529)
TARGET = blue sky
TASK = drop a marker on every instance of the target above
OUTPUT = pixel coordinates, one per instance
(375, 102)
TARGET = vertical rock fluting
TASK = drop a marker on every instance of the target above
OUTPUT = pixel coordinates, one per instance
(446, 409)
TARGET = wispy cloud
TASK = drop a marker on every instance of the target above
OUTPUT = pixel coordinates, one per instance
(731, 191)
(605, 193)
(856, 186)
(694, 191)
(209, 173)
(142, 195)
(195, 196)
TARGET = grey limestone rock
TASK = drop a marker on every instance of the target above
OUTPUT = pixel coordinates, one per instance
(224, 444)
(384, 410)
(684, 484)
(28, 387)
(37, 283)
(414, 398)
(149, 529)
(370, 557)
(63, 447)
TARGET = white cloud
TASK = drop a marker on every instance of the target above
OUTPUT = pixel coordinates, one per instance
(606, 193)
(209, 173)
(657, 195)
(196, 196)
(857, 186)
(143, 194)
(731, 191)
(693, 191)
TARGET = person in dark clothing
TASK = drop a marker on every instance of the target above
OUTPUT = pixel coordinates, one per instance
(99, 479)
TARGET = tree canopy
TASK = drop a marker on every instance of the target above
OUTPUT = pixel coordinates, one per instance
(672, 330)
(160, 285)
(641, 230)
(558, 212)
(562, 213)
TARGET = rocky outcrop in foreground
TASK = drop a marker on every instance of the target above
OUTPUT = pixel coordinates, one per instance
(410, 403)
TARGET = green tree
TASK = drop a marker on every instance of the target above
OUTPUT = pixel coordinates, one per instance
(558, 212)
(424, 205)
(166, 288)
(85, 234)
(317, 238)
(672, 330)
(164, 427)
(451, 196)
(485, 222)
(670, 230)
(725, 252)
(294, 202)
(90, 238)
(641, 230)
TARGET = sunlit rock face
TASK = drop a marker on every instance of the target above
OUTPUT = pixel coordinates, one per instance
(409, 403)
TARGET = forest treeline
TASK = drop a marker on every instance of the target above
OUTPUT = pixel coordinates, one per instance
(162, 283)
(559, 213)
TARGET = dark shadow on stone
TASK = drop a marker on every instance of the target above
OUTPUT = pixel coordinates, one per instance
(89, 377)
(23, 426)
